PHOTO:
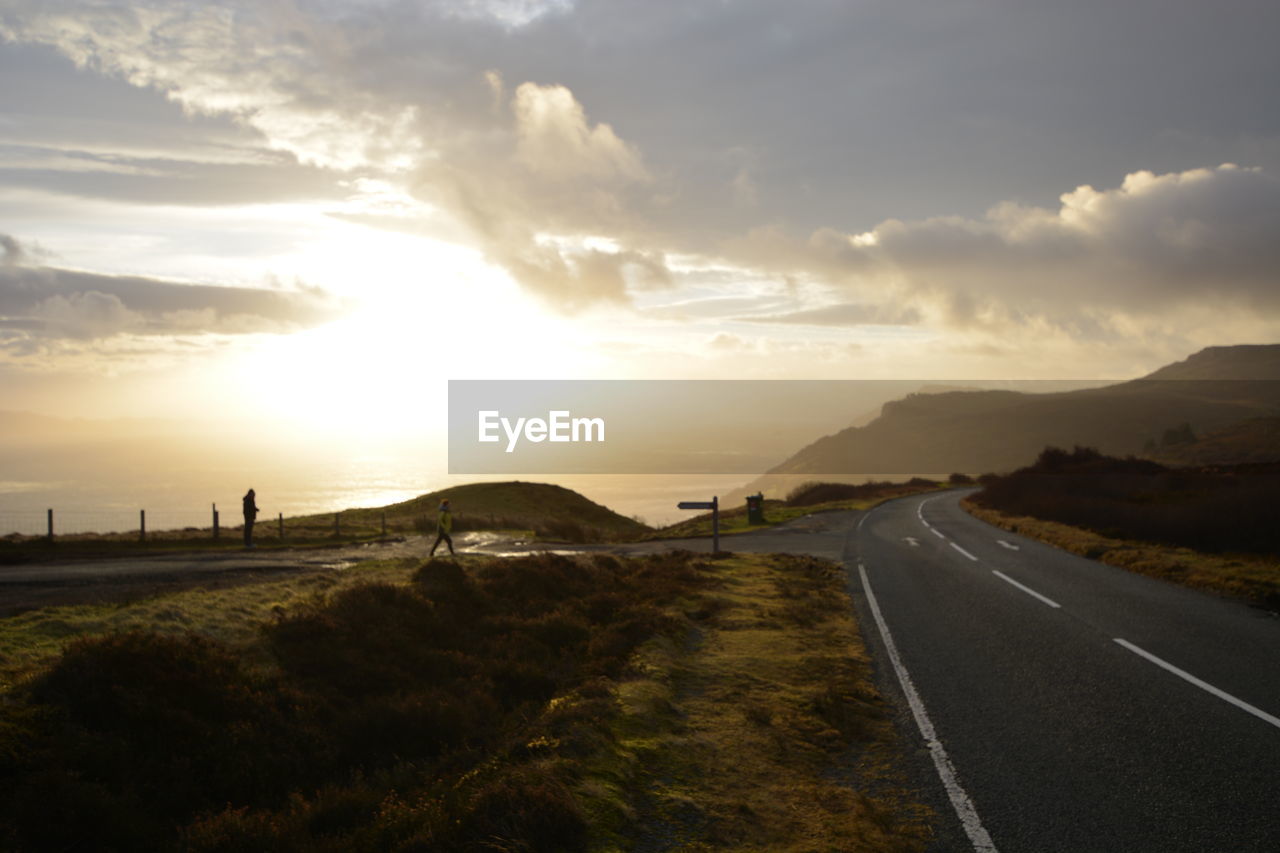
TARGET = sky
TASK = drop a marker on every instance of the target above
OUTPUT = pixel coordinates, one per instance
(319, 211)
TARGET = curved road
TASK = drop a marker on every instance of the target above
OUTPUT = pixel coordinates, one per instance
(1083, 707)
(1056, 703)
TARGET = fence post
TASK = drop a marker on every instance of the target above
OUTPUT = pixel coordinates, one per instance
(50, 525)
(715, 524)
(281, 527)
(142, 525)
(215, 521)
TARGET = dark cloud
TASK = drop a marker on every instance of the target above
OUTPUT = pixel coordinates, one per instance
(1155, 247)
(154, 181)
(48, 302)
(1205, 236)
(14, 253)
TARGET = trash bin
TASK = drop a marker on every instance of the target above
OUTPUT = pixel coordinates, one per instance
(755, 509)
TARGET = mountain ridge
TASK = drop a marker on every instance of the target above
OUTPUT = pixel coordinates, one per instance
(995, 430)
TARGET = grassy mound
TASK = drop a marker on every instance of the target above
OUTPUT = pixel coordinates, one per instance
(551, 512)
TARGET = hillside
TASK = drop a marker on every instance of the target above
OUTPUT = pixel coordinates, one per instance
(979, 431)
(1248, 361)
(552, 511)
(1254, 440)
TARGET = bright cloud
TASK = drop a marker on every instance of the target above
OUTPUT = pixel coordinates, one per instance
(555, 139)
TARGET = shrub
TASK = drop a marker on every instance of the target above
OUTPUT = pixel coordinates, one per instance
(527, 809)
(148, 729)
(1212, 509)
(399, 718)
(809, 494)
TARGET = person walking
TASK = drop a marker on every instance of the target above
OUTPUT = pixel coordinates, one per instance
(444, 524)
(250, 515)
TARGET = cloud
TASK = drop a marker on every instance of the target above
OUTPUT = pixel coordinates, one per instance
(722, 130)
(14, 253)
(339, 96)
(84, 314)
(1153, 247)
(51, 303)
(555, 139)
(726, 341)
(844, 314)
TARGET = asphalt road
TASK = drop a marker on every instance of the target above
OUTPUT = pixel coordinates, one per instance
(1048, 682)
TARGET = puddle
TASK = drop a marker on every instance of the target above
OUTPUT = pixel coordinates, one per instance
(524, 553)
(333, 565)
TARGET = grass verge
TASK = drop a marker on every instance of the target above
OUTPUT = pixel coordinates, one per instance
(758, 727)
(1250, 577)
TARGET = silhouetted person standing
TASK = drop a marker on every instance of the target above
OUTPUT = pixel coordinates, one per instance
(444, 524)
(250, 514)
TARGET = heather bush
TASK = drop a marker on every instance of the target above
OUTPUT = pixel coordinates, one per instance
(1219, 508)
(389, 717)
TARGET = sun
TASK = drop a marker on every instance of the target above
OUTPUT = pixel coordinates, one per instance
(423, 316)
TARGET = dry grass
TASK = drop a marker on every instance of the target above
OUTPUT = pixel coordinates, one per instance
(1253, 578)
(762, 729)
(734, 519)
(233, 615)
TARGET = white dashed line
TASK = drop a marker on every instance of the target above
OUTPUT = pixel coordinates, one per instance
(963, 551)
(936, 532)
(1028, 590)
(960, 801)
(1203, 685)
(1008, 545)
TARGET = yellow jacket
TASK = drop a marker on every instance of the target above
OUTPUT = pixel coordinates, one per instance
(445, 521)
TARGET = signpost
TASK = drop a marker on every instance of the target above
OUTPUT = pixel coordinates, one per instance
(714, 506)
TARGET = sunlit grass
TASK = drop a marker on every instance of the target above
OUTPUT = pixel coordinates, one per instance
(762, 730)
(231, 615)
(734, 519)
(1248, 576)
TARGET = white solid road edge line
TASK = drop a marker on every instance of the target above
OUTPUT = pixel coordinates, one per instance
(1203, 685)
(963, 551)
(1028, 590)
(946, 770)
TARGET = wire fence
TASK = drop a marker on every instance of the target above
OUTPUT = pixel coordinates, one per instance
(102, 521)
(186, 523)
